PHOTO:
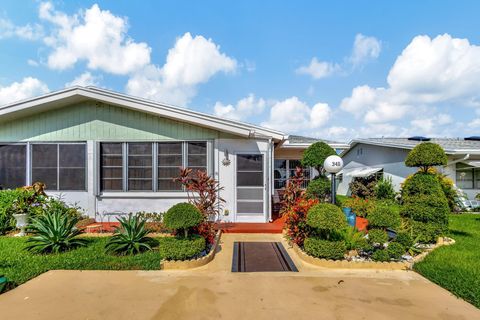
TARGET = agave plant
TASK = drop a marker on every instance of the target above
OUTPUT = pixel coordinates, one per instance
(54, 232)
(130, 238)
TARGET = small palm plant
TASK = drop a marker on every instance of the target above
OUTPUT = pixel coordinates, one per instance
(54, 232)
(131, 238)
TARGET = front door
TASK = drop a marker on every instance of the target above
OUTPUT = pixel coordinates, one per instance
(250, 188)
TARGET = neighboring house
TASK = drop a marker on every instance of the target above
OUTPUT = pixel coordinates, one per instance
(110, 152)
(386, 156)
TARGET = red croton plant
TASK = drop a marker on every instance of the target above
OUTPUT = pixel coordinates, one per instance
(295, 207)
(203, 193)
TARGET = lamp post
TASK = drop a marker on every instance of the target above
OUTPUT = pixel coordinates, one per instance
(333, 165)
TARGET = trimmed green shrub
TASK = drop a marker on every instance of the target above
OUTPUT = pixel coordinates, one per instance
(381, 256)
(426, 232)
(319, 248)
(131, 238)
(327, 218)
(384, 215)
(363, 187)
(377, 236)
(395, 250)
(404, 239)
(319, 188)
(174, 248)
(384, 189)
(54, 232)
(426, 155)
(315, 155)
(182, 216)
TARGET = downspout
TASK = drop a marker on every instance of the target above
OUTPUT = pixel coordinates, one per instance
(270, 180)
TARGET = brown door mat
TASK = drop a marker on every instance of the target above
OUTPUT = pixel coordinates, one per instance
(261, 257)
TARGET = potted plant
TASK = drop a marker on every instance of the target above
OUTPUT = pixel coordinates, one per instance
(3, 282)
(21, 219)
(361, 208)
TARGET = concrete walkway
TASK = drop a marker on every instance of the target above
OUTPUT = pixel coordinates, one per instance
(213, 292)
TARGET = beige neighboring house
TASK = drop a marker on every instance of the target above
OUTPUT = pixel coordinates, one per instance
(109, 152)
(386, 156)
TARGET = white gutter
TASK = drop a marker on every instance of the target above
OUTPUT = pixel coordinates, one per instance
(467, 156)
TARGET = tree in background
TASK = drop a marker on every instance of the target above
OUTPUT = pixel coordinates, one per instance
(315, 155)
(426, 155)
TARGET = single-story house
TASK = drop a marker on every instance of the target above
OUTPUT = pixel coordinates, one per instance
(110, 152)
(386, 156)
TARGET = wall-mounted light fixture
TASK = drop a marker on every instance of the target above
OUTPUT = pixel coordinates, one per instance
(226, 161)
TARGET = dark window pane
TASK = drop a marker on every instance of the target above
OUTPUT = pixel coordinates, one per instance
(72, 179)
(72, 155)
(250, 162)
(112, 184)
(168, 172)
(197, 148)
(197, 161)
(170, 160)
(135, 173)
(140, 148)
(170, 148)
(247, 179)
(139, 185)
(48, 176)
(45, 164)
(12, 166)
(169, 185)
(111, 167)
(139, 161)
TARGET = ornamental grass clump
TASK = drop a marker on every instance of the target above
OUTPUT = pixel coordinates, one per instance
(131, 237)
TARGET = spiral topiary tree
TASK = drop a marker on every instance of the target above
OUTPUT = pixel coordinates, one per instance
(426, 155)
(315, 155)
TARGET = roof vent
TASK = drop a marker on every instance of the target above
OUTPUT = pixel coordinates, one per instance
(472, 138)
(419, 138)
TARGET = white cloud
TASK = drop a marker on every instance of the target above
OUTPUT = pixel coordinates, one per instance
(293, 115)
(192, 61)
(27, 32)
(428, 72)
(430, 126)
(95, 36)
(32, 63)
(85, 79)
(28, 87)
(243, 109)
(364, 48)
(319, 69)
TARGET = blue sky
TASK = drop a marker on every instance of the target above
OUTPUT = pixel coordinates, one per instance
(335, 70)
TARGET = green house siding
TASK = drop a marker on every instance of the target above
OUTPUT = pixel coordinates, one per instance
(97, 121)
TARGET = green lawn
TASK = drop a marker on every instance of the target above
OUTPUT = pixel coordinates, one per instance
(457, 267)
(20, 266)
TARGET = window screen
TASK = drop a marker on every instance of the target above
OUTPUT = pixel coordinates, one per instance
(170, 160)
(45, 165)
(140, 173)
(72, 166)
(197, 156)
(111, 167)
(12, 166)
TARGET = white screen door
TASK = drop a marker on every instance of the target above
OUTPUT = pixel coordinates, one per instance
(250, 188)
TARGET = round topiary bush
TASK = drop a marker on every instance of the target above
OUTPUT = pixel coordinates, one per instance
(325, 249)
(381, 256)
(426, 155)
(175, 248)
(384, 215)
(319, 188)
(395, 250)
(182, 216)
(327, 219)
(315, 155)
(377, 236)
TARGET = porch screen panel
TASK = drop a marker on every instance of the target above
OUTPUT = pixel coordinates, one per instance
(111, 172)
(279, 173)
(140, 167)
(250, 185)
(45, 164)
(170, 160)
(197, 156)
(13, 166)
(293, 164)
(72, 167)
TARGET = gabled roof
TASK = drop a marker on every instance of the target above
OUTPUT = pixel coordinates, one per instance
(294, 141)
(78, 94)
(450, 145)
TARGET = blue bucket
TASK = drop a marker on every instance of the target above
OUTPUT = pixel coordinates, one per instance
(347, 211)
(351, 219)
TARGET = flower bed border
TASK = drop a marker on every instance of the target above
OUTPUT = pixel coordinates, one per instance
(393, 265)
(193, 263)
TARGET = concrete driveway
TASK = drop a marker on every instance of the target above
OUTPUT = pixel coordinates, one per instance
(213, 292)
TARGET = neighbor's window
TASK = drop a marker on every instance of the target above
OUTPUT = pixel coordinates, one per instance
(59, 166)
(111, 166)
(140, 167)
(170, 160)
(13, 166)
